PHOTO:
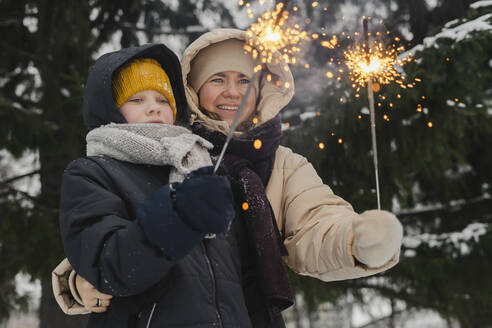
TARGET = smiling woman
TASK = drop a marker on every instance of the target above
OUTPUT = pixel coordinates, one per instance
(222, 93)
(220, 75)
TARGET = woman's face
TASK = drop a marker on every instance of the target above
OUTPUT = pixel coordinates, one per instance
(222, 93)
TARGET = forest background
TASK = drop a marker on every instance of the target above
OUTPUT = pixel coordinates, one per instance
(434, 142)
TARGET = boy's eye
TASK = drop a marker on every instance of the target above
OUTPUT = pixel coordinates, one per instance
(135, 99)
(163, 100)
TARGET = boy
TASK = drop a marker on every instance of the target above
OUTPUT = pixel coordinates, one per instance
(133, 209)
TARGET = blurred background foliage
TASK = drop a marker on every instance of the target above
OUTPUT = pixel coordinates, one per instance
(437, 179)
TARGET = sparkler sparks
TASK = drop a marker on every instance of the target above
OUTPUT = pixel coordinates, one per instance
(330, 44)
(271, 35)
(374, 63)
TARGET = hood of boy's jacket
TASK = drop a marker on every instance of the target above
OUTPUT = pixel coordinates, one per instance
(99, 106)
(273, 95)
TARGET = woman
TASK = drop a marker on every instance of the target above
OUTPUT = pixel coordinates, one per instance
(284, 211)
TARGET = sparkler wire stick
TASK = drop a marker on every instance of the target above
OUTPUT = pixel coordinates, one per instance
(370, 96)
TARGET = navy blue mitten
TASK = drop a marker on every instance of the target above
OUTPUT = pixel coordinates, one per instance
(177, 217)
(205, 201)
(164, 228)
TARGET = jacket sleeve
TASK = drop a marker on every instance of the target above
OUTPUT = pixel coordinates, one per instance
(317, 224)
(103, 244)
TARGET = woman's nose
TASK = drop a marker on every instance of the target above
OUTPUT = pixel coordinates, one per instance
(232, 90)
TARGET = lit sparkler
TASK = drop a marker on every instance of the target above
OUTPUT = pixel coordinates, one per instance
(372, 65)
(269, 39)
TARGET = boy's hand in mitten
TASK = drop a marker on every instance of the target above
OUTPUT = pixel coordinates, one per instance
(177, 217)
(205, 201)
(377, 237)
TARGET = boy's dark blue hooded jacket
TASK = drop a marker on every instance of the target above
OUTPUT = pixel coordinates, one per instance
(106, 244)
(99, 106)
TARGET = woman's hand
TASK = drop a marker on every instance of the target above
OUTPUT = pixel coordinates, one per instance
(377, 237)
(94, 300)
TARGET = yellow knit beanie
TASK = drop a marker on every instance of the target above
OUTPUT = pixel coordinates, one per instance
(139, 75)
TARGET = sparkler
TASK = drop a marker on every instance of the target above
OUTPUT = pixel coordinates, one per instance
(372, 65)
(266, 38)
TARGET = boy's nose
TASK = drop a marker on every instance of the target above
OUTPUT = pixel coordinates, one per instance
(153, 108)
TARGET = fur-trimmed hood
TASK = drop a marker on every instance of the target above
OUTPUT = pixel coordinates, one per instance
(273, 95)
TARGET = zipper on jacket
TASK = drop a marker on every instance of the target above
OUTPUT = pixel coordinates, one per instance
(214, 289)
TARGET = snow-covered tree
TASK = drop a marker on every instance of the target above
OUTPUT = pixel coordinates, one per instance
(434, 165)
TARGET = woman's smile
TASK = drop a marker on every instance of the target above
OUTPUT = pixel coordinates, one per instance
(228, 107)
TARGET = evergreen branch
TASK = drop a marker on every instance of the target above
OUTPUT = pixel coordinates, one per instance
(11, 21)
(24, 102)
(27, 107)
(19, 52)
(38, 204)
(184, 31)
(10, 180)
(104, 33)
(16, 21)
(10, 190)
(442, 208)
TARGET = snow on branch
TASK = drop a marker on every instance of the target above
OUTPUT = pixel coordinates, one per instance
(460, 239)
(13, 179)
(457, 33)
(484, 3)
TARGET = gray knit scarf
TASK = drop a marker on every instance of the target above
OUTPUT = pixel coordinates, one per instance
(154, 144)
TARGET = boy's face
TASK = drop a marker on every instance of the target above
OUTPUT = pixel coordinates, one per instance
(148, 106)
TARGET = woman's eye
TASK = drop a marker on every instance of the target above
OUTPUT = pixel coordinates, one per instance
(244, 81)
(164, 100)
(217, 80)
